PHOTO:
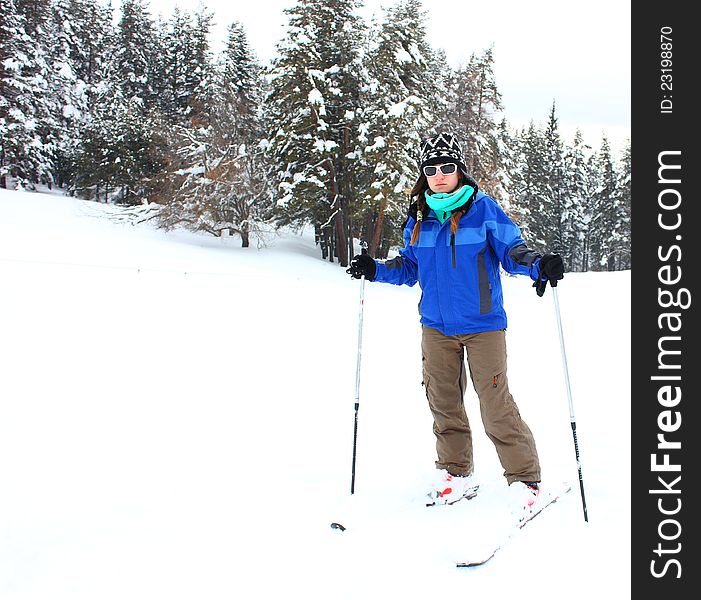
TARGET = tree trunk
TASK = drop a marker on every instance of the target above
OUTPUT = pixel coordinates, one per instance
(378, 225)
(320, 240)
(349, 235)
(369, 232)
(341, 243)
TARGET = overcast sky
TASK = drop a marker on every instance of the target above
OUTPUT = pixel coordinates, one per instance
(574, 53)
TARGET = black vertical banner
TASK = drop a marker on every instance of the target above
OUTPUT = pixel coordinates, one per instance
(665, 391)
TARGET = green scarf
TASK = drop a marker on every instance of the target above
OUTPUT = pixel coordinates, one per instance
(443, 204)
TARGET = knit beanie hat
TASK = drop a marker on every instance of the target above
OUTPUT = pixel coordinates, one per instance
(440, 149)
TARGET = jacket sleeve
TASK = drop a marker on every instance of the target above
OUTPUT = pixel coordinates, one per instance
(402, 269)
(505, 238)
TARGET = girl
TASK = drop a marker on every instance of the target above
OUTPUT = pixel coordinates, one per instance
(455, 239)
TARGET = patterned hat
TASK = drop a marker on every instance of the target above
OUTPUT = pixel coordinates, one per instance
(440, 149)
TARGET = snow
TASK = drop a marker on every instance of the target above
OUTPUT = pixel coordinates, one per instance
(403, 56)
(397, 110)
(176, 421)
(315, 97)
(378, 143)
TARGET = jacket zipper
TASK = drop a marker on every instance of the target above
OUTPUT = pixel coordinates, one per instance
(452, 235)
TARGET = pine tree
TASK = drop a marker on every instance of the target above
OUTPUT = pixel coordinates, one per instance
(27, 106)
(177, 45)
(121, 149)
(605, 205)
(476, 104)
(36, 13)
(163, 38)
(576, 200)
(200, 73)
(89, 35)
(221, 179)
(621, 242)
(312, 115)
(552, 215)
(401, 104)
(136, 65)
(242, 77)
(14, 44)
(120, 153)
(529, 187)
(186, 65)
(80, 58)
(505, 151)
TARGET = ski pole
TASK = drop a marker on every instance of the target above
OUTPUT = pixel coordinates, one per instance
(357, 370)
(569, 399)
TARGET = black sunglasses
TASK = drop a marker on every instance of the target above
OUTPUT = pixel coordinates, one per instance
(448, 169)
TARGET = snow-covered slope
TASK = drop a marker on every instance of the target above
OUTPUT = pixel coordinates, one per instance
(176, 421)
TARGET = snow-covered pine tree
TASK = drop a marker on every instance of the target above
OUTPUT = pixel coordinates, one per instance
(621, 242)
(240, 80)
(221, 180)
(27, 106)
(505, 152)
(576, 198)
(93, 176)
(438, 74)
(312, 114)
(14, 46)
(552, 215)
(402, 101)
(238, 135)
(135, 60)
(162, 86)
(121, 151)
(529, 186)
(186, 64)
(200, 72)
(82, 47)
(605, 203)
(36, 13)
(475, 104)
(90, 37)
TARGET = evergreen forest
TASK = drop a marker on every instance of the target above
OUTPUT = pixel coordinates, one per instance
(128, 108)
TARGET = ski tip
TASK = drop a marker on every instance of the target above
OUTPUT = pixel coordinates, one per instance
(338, 526)
(476, 562)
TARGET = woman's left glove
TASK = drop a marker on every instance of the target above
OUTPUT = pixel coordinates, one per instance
(550, 268)
(362, 265)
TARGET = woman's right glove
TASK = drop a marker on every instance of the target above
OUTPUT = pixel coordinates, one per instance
(362, 265)
(550, 268)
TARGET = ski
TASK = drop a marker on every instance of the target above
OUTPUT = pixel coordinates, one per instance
(469, 494)
(489, 553)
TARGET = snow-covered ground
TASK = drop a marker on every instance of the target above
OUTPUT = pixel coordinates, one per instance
(176, 422)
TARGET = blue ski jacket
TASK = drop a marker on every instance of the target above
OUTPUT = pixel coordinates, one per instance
(459, 274)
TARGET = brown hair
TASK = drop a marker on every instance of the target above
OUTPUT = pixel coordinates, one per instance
(419, 192)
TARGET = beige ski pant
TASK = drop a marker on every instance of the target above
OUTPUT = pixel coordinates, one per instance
(445, 379)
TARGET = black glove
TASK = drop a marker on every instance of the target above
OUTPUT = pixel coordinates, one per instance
(362, 265)
(551, 268)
